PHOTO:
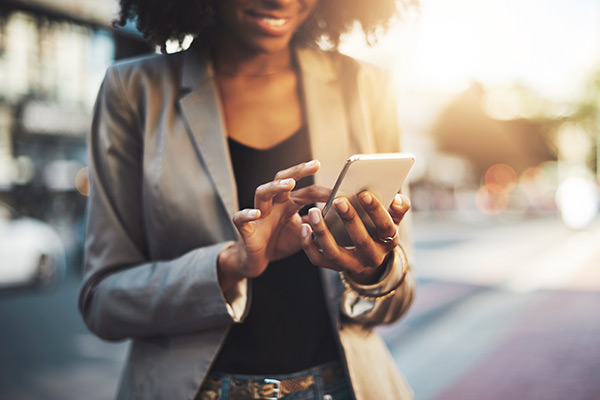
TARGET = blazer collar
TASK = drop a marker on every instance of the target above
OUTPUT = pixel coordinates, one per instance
(316, 64)
(325, 107)
(197, 67)
(201, 110)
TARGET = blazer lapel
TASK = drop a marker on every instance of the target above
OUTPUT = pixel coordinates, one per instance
(200, 107)
(329, 135)
(325, 114)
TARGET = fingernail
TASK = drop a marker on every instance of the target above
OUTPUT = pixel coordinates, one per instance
(315, 215)
(286, 182)
(304, 231)
(398, 200)
(366, 198)
(341, 205)
(312, 163)
(253, 213)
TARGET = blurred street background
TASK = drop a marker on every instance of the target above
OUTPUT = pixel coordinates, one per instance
(499, 101)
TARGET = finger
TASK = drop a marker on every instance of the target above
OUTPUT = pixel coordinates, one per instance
(263, 197)
(312, 250)
(299, 171)
(244, 220)
(330, 250)
(296, 172)
(384, 224)
(367, 250)
(310, 194)
(399, 207)
(321, 233)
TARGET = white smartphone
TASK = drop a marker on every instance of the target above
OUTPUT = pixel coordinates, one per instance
(382, 174)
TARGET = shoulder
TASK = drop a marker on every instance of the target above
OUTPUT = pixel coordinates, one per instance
(149, 70)
(147, 64)
(336, 65)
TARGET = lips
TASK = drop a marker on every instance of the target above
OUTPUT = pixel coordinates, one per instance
(269, 24)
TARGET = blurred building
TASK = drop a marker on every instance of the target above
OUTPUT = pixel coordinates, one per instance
(466, 128)
(53, 56)
(495, 152)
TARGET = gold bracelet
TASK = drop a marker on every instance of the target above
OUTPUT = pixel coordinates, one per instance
(348, 285)
(386, 277)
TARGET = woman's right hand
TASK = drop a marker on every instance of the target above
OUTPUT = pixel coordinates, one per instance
(271, 230)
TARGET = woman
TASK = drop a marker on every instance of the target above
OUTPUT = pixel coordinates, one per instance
(198, 244)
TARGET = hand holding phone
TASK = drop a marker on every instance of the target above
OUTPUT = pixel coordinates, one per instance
(381, 174)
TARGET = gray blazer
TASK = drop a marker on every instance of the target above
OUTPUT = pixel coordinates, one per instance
(163, 194)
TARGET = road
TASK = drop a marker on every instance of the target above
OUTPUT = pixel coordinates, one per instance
(503, 310)
(46, 352)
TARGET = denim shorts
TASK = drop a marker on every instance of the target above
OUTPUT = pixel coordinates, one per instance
(322, 389)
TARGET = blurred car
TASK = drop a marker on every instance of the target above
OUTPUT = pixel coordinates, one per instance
(31, 252)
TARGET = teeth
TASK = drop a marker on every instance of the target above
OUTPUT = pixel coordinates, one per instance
(275, 22)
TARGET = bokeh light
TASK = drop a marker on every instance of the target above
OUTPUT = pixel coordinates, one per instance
(577, 200)
(500, 179)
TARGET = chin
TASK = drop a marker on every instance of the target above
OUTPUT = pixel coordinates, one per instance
(269, 45)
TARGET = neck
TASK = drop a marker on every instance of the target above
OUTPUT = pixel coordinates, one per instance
(232, 58)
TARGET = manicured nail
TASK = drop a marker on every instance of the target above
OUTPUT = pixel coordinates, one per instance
(341, 205)
(398, 200)
(304, 231)
(366, 198)
(314, 214)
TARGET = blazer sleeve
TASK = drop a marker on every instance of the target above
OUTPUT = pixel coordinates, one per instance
(124, 294)
(386, 301)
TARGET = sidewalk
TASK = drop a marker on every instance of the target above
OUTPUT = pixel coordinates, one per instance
(432, 298)
(528, 330)
(552, 353)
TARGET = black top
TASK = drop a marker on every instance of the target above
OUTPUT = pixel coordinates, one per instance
(288, 328)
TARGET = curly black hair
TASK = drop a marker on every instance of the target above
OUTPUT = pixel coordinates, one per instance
(160, 20)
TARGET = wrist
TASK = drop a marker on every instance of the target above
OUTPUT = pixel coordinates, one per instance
(393, 276)
(371, 275)
(228, 266)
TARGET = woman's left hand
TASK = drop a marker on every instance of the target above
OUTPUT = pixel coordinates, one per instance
(368, 253)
